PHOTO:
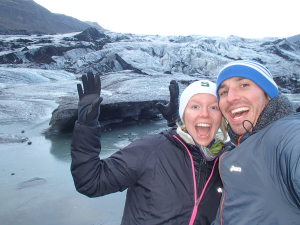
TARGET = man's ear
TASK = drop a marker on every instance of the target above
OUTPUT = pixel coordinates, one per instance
(267, 96)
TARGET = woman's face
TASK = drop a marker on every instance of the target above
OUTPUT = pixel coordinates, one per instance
(202, 118)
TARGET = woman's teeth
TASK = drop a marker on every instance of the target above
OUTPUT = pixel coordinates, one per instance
(203, 125)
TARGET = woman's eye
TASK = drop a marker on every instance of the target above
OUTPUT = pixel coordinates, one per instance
(215, 107)
(195, 107)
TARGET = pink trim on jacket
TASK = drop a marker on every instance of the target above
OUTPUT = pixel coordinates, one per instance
(196, 199)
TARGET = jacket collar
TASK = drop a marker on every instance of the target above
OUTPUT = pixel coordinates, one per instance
(277, 108)
(209, 152)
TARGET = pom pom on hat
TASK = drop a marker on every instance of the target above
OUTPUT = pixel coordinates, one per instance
(250, 70)
(197, 87)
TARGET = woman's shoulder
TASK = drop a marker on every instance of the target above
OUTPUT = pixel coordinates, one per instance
(150, 141)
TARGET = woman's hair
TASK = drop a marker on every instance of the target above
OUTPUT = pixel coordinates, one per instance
(223, 129)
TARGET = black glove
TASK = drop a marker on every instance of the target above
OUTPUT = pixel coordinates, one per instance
(298, 110)
(89, 99)
(170, 111)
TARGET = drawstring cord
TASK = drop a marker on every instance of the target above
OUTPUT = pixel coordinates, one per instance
(247, 134)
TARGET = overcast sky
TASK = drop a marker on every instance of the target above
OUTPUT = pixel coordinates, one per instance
(244, 18)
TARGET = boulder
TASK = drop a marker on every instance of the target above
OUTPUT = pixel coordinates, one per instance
(127, 98)
(114, 114)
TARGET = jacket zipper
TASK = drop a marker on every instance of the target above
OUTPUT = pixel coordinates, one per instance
(197, 200)
(224, 194)
(201, 178)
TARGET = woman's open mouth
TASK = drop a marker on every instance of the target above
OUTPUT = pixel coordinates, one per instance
(203, 129)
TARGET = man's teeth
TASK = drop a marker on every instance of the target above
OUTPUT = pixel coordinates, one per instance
(238, 110)
(203, 125)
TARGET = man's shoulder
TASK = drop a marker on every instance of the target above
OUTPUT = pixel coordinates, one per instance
(288, 126)
(289, 120)
(286, 130)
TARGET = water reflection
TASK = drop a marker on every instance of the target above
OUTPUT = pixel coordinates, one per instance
(111, 140)
(60, 146)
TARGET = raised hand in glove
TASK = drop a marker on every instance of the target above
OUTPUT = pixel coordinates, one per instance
(170, 111)
(89, 99)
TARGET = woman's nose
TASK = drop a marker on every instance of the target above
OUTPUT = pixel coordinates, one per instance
(204, 112)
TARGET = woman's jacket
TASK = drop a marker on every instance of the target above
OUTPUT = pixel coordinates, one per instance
(168, 182)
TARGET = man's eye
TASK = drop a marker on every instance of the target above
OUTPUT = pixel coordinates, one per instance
(223, 92)
(245, 85)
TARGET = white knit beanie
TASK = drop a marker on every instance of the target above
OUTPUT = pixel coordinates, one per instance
(197, 87)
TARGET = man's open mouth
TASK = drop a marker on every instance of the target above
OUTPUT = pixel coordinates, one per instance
(239, 112)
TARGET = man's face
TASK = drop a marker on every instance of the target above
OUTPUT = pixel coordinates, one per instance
(241, 99)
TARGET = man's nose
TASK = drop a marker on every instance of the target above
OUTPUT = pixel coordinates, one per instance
(232, 95)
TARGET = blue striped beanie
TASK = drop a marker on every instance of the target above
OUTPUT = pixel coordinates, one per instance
(250, 70)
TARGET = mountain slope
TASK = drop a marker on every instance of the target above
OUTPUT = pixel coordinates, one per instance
(30, 16)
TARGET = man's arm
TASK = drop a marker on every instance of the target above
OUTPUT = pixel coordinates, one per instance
(290, 160)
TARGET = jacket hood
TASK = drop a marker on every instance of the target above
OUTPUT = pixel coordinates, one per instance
(209, 153)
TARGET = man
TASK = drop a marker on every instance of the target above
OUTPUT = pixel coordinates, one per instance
(261, 175)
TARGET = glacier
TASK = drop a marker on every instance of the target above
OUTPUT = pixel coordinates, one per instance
(39, 73)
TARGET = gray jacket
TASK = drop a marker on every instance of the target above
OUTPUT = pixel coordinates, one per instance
(261, 176)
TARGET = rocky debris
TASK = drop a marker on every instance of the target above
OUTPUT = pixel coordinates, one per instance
(25, 49)
(15, 32)
(12, 138)
(10, 58)
(32, 182)
(90, 34)
(288, 84)
(44, 54)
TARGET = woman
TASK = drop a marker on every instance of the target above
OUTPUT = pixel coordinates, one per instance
(171, 177)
